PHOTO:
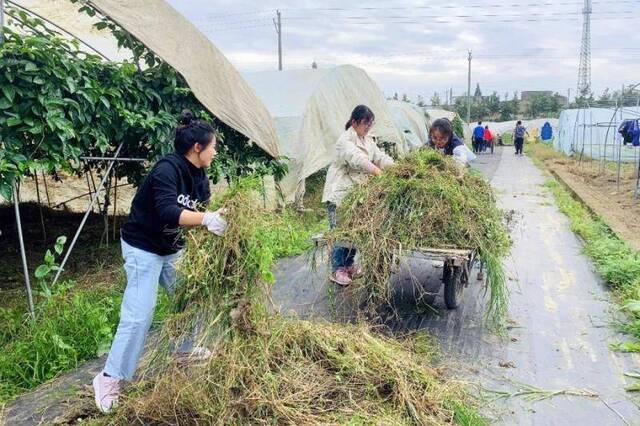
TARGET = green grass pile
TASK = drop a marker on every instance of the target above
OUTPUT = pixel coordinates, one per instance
(424, 201)
(267, 369)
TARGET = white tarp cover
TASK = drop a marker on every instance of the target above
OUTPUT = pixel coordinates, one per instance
(65, 14)
(310, 108)
(584, 131)
(211, 77)
(500, 127)
(412, 122)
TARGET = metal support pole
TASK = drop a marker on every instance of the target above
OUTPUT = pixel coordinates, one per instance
(44, 232)
(119, 160)
(93, 183)
(86, 215)
(46, 188)
(469, 90)
(115, 206)
(278, 24)
(23, 253)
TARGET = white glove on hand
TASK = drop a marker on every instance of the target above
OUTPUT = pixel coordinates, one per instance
(215, 223)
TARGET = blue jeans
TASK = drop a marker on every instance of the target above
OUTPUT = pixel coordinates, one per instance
(144, 271)
(340, 256)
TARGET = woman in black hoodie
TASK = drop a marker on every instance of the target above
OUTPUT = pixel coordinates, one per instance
(171, 196)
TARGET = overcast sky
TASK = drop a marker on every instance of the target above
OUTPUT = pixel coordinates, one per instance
(419, 47)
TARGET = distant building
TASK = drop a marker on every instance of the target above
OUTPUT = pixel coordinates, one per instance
(526, 94)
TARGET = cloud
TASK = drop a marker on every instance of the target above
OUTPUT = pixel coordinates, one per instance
(419, 48)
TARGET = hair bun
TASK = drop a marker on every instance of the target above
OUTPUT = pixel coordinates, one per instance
(186, 117)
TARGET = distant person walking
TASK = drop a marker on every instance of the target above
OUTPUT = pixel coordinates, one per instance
(518, 135)
(546, 134)
(488, 139)
(478, 137)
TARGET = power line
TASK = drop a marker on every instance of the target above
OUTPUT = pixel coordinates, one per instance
(526, 16)
(629, 16)
(435, 22)
(466, 18)
(472, 6)
(485, 15)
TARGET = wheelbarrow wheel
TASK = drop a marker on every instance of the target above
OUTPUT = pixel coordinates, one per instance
(452, 286)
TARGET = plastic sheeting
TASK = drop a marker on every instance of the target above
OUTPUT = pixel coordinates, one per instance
(310, 108)
(593, 132)
(65, 14)
(211, 77)
(500, 127)
(412, 122)
(435, 113)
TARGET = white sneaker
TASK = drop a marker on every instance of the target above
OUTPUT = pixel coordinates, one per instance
(106, 391)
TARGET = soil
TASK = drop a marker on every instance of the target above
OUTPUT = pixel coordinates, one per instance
(90, 256)
(71, 193)
(600, 192)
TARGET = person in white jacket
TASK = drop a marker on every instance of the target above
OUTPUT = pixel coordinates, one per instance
(356, 159)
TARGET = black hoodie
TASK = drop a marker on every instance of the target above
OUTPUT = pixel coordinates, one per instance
(174, 184)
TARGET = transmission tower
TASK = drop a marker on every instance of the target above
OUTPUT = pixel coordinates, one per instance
(584, 71)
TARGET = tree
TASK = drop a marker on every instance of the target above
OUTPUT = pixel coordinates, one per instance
(478, 93)
(405, 98)
(543, 105)
(492, 103)
(460, 106)
(421, 102)
(435, 99)
(508, 110)
(605, 97)
(395, 96)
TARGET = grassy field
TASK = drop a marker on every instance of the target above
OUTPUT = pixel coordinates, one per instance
(76, 319)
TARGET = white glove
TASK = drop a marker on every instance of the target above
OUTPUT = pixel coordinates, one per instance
(215, 223)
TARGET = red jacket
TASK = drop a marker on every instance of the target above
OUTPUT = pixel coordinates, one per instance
(487, 135)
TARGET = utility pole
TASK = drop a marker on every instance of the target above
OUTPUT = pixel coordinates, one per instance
(278, 23)
(584, 70)
(469, 90)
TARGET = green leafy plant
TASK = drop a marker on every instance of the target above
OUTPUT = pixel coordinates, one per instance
(458, 127)
(49, 266)
(58, 103)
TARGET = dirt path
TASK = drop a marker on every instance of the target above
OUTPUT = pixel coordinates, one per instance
(559, 329)
(559, 316)
(618, 209)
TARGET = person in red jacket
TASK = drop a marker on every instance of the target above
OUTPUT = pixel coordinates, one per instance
(488, 139)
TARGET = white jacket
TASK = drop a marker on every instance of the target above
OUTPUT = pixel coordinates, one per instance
(353, 164)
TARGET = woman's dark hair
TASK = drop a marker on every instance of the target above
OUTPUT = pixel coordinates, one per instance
(443, 125)
(191, 131)
(519, 122)
(359, 114)
(486, 127)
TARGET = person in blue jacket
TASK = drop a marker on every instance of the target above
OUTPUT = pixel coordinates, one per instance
(172, 196)
(546, 133)
(478, 138)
